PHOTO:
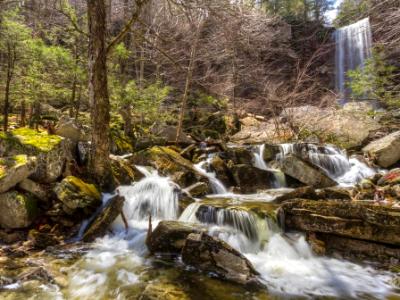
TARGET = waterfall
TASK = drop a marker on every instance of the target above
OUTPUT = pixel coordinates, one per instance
(259, 162)
(242, 229)
(353, 47)
(216, 185)
(333, 161)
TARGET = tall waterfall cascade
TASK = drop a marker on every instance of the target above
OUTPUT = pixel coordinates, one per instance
(353, 47)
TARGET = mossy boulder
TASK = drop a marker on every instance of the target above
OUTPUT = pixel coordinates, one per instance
(17, 210)
(51, 151)
(15, 169)
(124, 173)
(168, 162)
(75, 193)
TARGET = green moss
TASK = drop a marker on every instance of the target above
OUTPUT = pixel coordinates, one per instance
(84, 188)
(41, 141)
(11, 162)
(30, 204)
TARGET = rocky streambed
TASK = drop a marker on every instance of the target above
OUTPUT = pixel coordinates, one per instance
(263, 221)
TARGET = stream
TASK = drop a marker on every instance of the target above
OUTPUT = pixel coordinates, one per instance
(117, 266)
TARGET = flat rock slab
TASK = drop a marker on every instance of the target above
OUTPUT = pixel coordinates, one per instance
(15, 169)
(352, 219)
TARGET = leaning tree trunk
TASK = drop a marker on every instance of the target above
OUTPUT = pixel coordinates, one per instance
(100, 167)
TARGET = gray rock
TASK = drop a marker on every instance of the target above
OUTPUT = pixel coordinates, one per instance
(305, 172)
(17, 210)
(385, 151)
(214, 256)
(170, 236)
(68, 128)
(251, 179)
(35, 189)
(15, 169)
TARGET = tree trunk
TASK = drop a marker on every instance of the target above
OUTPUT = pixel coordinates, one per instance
(23, 114)
(188, 83)
(10, 71)
(100, 167)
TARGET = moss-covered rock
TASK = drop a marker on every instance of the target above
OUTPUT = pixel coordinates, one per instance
(123, 172)
(15, 169)
(51, 151)
(17, 210)
(75, 193)
(168, 162)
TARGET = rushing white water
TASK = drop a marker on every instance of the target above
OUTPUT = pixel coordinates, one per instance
(353, 47)
(216, 185)
(287, 264)
(335, 162)
(259, 162)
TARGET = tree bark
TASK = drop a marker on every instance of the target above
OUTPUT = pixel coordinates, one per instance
(100, 167)
(10, 71)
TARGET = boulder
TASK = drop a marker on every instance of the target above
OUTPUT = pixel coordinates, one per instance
(344, 128)
(251, 179)
(51, 151)
(353, 219)
(385, 151)
(15, 169)
(102, 221)
(123, 172)
(168, 162)
(169, 236)
(75, 193)
(216, 257)
(70, 129)
(36, 189)
(239, 155)
(17, 210)
(305, 172)
(221, 170)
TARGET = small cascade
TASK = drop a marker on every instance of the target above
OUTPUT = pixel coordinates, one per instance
(153, 195)
(353, 47)
(216, 185)
(259, 162)
(243, 230)
(335, 162)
